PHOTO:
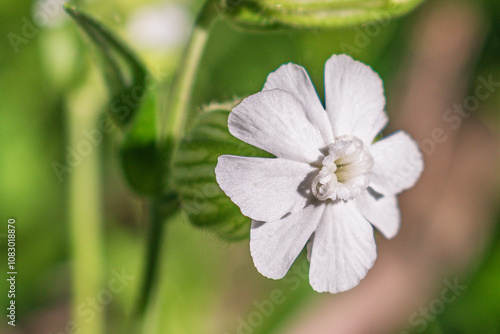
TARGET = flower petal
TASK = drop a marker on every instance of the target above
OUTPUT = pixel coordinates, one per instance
(275, 245)
(381, 211)
(354, 98)
(264, 189)
(278, 123)
(295, 80)
(343, 249)
(398, 164)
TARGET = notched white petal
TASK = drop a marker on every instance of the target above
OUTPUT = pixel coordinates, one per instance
(355, 98)
(264, 189)
(295, 80)
(343, 249)
(278, 123)
(381, 211)
(275, 245)
(398, 164)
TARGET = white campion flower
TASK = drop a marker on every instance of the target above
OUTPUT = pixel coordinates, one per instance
(329, 182)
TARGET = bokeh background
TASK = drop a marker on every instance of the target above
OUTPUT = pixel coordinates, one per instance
(431, 60)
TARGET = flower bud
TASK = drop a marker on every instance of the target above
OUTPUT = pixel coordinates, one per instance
(312, 13)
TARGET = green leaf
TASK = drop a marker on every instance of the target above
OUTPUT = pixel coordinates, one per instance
(125, 74)
(132, 106)
(193, 176)
(143, 160)
(313, 13)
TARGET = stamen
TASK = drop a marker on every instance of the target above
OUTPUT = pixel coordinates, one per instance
(342, 173)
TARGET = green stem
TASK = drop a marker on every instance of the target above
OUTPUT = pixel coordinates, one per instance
(182, 88)
(177, 108)
(159, 211)
(85, 218)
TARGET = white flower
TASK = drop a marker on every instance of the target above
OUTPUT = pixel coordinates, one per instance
(329, 182)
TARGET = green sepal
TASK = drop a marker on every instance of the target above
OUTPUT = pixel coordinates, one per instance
(125, 74)
(144, 161)
(193, 175)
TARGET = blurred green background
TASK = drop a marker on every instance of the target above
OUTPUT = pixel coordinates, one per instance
(206, 285)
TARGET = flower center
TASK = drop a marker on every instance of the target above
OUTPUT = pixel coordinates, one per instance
(342, 175)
